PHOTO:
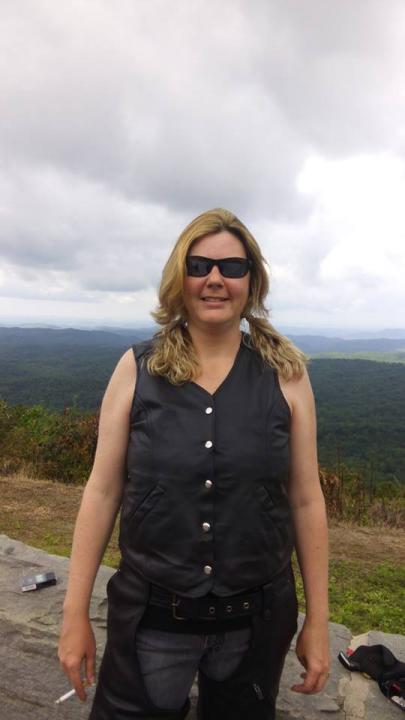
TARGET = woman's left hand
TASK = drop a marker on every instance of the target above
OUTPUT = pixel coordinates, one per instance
(312, 651)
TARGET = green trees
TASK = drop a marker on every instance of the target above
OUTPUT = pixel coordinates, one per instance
(60, 446)
(47, 444)
(361, 417)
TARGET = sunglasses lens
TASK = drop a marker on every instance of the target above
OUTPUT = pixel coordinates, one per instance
(233, 267)
(197, 266)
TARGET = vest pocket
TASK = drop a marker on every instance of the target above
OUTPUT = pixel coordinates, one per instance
(145, 506)
(265, 497)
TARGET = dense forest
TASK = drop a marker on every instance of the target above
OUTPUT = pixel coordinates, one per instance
(360, 403)
(59, 368)
(361, 416)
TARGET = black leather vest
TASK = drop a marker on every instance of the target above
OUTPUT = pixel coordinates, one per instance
(205, 506)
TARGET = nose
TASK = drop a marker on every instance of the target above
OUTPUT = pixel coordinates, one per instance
(215, 277)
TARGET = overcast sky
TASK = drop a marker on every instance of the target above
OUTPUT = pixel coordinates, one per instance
(122, 120)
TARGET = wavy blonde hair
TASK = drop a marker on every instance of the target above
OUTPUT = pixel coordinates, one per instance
(173, 355)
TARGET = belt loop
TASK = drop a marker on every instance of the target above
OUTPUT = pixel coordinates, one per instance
(267, 594)
(175, 603)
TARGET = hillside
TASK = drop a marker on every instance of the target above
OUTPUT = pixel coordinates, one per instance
(360, 403)
(59, 368)
(361, 415)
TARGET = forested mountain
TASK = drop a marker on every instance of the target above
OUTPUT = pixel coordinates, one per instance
(361, 415)
(360, 404)
(59, 368)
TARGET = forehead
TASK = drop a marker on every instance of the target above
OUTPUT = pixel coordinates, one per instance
(219, 245)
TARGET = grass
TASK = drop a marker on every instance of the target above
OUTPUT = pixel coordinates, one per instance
(367, 566)
(363, 597)
(361, 593)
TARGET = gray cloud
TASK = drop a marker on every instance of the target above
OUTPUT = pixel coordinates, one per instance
(121, 121)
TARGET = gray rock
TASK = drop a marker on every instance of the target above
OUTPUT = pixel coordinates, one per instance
(311, 707)
(30, 676)
(31, 679)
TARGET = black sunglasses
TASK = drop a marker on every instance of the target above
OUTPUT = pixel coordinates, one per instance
(198, 266)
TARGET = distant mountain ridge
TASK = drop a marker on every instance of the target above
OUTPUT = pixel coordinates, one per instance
(315, 344)
(12, 337)
(16, 336)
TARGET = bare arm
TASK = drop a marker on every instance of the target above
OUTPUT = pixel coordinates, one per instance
(311, 535)
(95, 521)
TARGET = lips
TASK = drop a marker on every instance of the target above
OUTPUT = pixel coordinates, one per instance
(211, 298)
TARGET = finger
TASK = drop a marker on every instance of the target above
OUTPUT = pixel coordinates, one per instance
(322, 680)
(77, 684)
(310, 683)
(313, 685)
(71, 666)
(91, 669)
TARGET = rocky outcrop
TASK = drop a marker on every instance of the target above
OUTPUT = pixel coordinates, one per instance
(31, 680)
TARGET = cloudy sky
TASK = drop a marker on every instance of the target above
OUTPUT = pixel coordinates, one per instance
(122, 120)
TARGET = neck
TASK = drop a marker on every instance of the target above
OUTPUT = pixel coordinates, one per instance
(215, 341)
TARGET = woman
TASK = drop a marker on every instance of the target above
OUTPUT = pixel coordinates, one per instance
(213, 460)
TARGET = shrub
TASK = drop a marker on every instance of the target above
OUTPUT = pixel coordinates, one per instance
(48, 444)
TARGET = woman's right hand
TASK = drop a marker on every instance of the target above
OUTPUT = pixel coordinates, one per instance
(77, 647)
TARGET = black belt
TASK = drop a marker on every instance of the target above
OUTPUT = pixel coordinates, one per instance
(209, 607)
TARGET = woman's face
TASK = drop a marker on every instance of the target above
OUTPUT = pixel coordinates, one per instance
(214, 299)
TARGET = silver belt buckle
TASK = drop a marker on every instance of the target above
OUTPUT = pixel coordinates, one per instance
(175, 604)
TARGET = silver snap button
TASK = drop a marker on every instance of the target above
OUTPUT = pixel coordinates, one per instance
(211, 610)
(206, 526)
(229, 608)
(208, 444)
(208, 410)
(246, 605)
(207, 569)
(208, 484)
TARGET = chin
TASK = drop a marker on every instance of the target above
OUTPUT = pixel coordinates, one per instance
(212, 321)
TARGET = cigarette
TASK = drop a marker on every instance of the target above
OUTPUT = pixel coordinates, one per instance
(66, 696)
(69, 694)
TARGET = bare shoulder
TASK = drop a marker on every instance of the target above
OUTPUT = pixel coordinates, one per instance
(303, 482)
(109, 463)
(297, 392)
(125, 367)
(121, 386)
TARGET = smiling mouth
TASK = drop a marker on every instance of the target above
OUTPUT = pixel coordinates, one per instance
(213, 299)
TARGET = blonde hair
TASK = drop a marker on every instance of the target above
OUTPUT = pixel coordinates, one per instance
(173, 355)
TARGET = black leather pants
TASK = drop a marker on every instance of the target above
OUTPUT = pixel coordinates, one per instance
(249, 693)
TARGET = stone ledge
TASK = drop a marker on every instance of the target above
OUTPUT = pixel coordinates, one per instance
(30, 677)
